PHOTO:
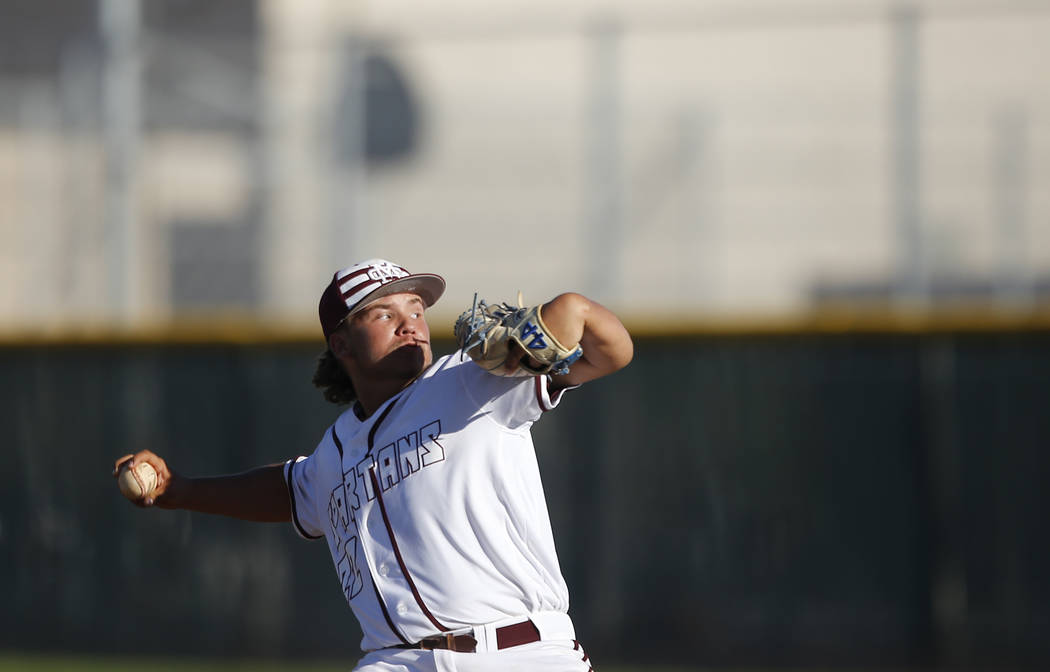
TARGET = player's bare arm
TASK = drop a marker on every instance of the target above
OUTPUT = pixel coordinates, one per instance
(258, 494)
(607, 347)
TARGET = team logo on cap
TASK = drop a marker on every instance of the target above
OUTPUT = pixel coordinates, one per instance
(361, 280)
(385, 272)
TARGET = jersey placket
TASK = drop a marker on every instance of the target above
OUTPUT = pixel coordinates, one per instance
(394, 578)
(389, 586)
(403, 607)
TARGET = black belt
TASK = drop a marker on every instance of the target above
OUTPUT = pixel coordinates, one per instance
(506, 637)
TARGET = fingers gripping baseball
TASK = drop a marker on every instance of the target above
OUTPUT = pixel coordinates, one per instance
(145, 479)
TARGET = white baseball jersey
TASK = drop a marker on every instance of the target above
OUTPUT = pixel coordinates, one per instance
(433, 507)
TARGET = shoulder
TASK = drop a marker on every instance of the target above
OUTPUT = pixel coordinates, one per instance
(347, 423)
(455, 367)
(446, 362)
(337, 435)
(460, 367)
(511, 401)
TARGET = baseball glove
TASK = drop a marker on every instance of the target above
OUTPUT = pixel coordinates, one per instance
(486, 333)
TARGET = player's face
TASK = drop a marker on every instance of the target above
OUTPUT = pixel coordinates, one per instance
(390, 338)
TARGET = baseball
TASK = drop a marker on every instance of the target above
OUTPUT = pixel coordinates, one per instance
(137, 483)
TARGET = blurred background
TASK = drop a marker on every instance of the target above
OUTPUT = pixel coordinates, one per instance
(822, 221)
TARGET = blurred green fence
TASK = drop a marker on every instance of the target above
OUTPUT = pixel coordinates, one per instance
(726, 500)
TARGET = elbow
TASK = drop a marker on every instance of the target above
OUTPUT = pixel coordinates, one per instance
(624, 354)
(617, 354)
(607, 345)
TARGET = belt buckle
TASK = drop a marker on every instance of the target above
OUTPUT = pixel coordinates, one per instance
(438, 642)
(448, 641)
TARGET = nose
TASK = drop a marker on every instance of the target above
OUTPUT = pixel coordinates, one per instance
(409, 324)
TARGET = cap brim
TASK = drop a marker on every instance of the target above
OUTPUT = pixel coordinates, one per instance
(428, 286)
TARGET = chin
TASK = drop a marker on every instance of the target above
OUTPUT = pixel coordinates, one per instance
(414, 358)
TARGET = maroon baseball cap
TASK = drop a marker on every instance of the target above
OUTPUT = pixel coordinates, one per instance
(354, 287)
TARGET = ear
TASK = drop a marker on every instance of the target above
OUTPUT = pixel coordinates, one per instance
(339, 344)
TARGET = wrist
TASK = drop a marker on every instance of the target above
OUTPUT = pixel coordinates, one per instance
(178, 493)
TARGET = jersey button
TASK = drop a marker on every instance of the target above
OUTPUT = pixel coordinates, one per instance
(384, 569)
(402, 609)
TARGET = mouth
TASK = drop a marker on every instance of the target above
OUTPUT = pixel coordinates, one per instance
(418, 345)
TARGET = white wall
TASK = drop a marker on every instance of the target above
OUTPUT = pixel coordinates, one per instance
(702, 159)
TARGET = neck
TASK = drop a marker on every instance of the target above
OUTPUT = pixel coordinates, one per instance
(374, 395)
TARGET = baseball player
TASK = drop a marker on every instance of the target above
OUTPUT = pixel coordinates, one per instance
(426, 488)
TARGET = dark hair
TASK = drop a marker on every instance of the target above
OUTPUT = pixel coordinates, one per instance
(333, 380)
